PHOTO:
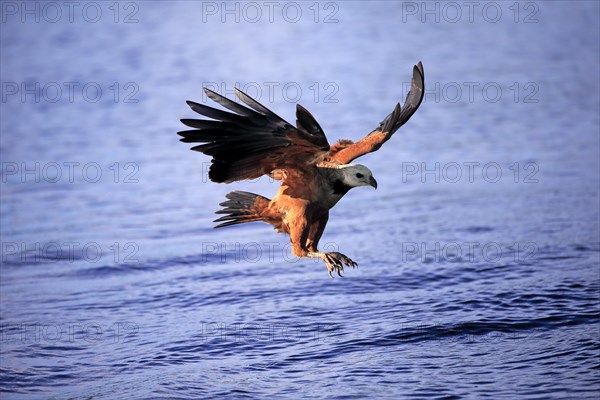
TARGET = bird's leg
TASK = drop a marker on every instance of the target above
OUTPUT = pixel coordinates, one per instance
(305, 235)
(315, 232)
(335, 261)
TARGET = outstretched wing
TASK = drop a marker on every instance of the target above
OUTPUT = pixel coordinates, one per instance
(345, 151)
(250, 142)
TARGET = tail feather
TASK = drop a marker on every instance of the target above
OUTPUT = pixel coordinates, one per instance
(240, 208)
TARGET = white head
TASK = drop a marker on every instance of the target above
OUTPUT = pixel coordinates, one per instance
(355, 175)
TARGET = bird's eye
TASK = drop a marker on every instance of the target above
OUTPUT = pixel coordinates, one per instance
(359, 175)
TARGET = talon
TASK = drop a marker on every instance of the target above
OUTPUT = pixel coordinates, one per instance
(336, 261)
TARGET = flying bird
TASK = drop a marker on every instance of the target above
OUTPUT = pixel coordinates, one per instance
(247, 143)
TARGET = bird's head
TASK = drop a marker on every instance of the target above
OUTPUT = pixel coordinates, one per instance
(355, 175)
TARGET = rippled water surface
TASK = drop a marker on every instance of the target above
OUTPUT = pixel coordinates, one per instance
(478, 255)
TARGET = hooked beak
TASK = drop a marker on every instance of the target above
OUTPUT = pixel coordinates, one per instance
(373, 182)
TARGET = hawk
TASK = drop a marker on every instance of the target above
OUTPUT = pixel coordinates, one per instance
(248, 142)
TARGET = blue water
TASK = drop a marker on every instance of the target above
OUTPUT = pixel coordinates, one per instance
(478, 285)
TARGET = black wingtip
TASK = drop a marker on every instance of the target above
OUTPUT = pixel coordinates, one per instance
(192, 104)
(401, 114)
(305, 120)
(214, 96)
(418, 77)
(185, 121)
(391, 122)
(238, 92)
(255, 105)
(418, 82)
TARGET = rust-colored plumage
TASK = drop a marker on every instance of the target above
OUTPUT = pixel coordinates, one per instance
(250, 142)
